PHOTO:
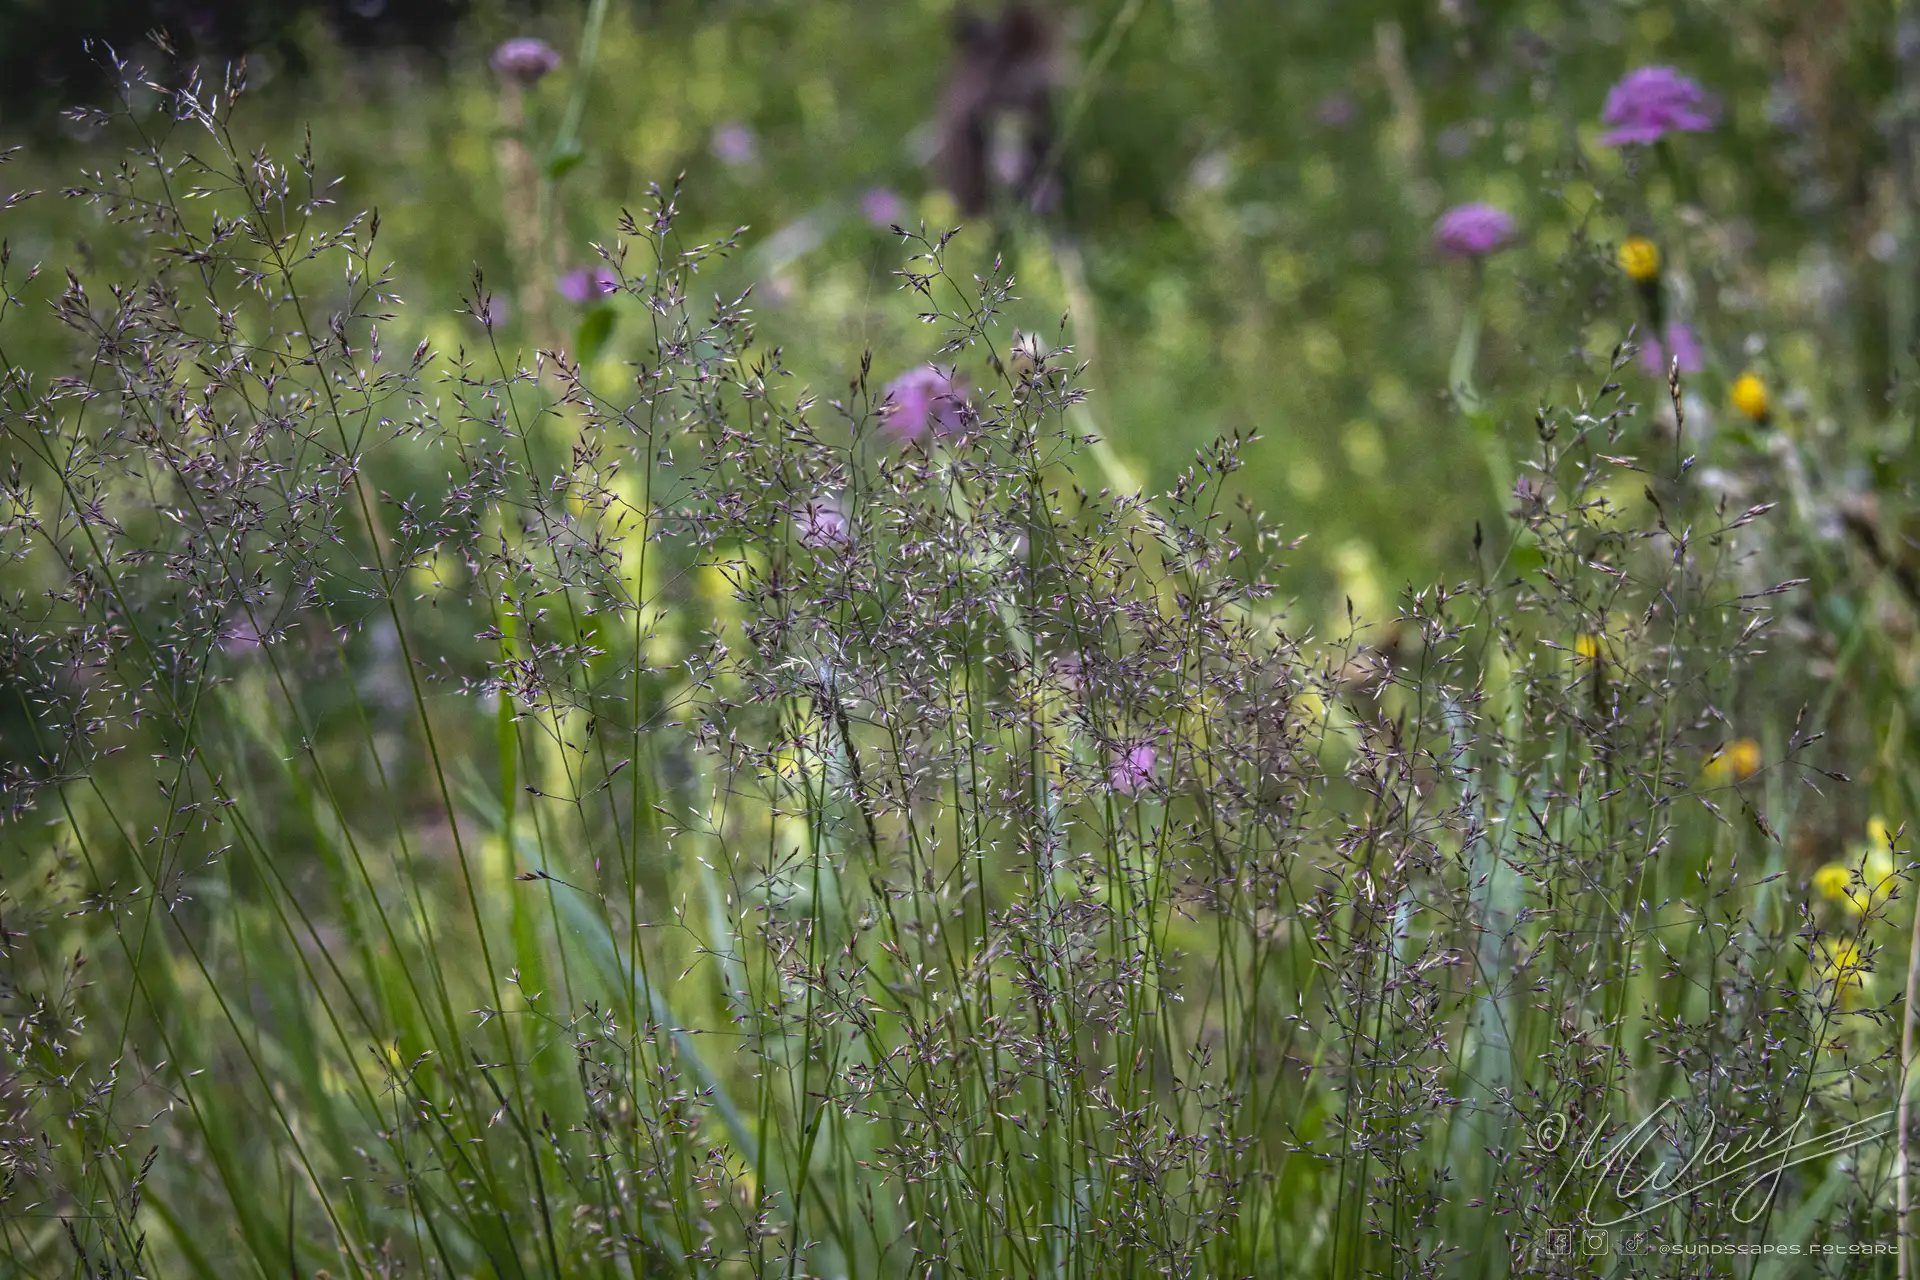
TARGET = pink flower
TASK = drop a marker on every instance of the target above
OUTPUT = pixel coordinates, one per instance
(882, 207)
(919, 399)
(1472, 230)
(587, 283)
(1132, 771)
(822, 525)
(525, 59)
(1681, 346)
(734, 144)
(1650, 103)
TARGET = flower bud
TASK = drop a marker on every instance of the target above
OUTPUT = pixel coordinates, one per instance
(1640, 258)
(1749, 396)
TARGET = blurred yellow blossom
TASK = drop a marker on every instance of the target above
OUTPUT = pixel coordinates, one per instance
(1735, 762)
(1640, 258)
(1749, 396)
(1843, 964)
(1872, 887)
(1603, 645)
(1832, 880)
(1866, 881)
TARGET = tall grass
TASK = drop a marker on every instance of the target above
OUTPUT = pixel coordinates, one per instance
(474, 820)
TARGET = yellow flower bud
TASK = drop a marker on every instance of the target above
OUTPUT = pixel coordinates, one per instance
(1749, 396)
(1735, 762)
(1640, 258)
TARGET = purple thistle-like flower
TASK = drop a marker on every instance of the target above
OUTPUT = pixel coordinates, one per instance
(525, 59)
(1132, 770)
(1651, 102)
(919, 399)
(822, 525)
(883, 208)
(1681, 346)
(1337, 110)
(585, 284)
(734, 144)
(1472, 230)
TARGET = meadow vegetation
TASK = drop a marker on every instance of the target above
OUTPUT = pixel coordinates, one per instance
(690, 694)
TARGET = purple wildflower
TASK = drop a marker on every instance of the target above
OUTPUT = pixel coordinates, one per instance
(1132, 770)
(525, 59)
(922, 398)
(1472, 230)
(585, 284)
(493, 312)
(883, 208)
(734, 144)
(1681, 346)
(822, 525)
(1337, 110)
(1650, 103)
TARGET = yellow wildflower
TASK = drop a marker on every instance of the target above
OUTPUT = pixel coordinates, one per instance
(1640, 258)
(1869, 888)
(1866, 884)
(1843, 964)
(1833, 880)
(1593, 652)
(1735, 762)
(1604, 642)
(1749, 396)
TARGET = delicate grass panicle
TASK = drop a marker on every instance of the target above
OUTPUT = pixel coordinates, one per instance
(480, 815)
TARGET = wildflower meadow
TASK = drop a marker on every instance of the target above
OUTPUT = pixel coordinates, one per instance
(1134, 638)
